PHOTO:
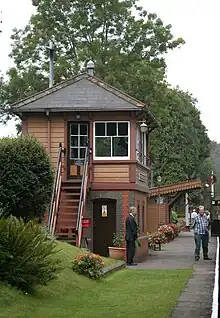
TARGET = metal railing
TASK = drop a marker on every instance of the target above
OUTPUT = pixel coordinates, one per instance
(54, 205)
(82, 198)
(143, 159)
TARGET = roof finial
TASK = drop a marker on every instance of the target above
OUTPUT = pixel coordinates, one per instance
(90, 67)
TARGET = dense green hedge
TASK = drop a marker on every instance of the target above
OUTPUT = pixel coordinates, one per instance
(26, 178)
(26, 254)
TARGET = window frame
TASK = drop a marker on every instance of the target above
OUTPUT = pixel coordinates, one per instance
(94, 140)
(78, 138)
(141, 146)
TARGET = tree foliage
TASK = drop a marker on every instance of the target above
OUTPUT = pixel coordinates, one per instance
(129, 46)
(26, 178)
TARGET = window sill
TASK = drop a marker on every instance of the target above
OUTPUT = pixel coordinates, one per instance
(111, 158)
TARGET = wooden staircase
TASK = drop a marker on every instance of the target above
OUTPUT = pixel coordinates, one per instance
(68, 211)
(68, 203)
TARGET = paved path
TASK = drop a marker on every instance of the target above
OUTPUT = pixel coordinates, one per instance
(196, 299)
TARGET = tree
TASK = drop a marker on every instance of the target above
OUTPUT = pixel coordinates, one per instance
(105, 31)
(129, 53)
(26, 178)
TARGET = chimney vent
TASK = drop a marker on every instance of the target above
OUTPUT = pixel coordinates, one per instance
(90, 67)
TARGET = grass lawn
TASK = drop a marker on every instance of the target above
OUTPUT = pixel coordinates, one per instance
(126, 293)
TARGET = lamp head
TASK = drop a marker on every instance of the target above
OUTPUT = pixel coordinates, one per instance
(144, 127)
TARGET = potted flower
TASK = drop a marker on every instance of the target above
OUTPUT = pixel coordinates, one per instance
(168, 231)
(156, 239)
(117, 250)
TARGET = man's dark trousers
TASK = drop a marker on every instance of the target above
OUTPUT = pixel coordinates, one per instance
(130, 251)
(204, 239)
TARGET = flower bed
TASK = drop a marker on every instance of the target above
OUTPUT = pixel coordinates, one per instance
(164, 234)
(90, 265)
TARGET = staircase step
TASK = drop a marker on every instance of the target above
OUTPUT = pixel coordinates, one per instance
(78, 180)
(70, 200)
(65, 206)
(76, 187)
(69, 195)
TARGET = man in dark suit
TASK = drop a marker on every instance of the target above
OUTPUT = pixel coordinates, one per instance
(131, 235)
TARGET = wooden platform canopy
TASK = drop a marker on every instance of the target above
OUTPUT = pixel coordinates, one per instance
(161, 200)
(187, 185)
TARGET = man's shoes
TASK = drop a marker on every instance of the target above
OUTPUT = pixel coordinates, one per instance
(207, 259)
(196, 259)
(131, 264)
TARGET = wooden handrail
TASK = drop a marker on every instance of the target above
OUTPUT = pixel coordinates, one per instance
(54, 205)
(82, 197)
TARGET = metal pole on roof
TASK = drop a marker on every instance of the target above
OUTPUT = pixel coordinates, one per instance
(51, 63)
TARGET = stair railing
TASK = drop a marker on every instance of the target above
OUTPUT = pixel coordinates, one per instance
(55, 199)
(82, 200)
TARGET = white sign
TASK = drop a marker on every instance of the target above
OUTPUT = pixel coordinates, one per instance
(104, 211)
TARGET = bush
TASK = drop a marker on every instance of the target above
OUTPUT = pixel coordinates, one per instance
(90, 265)
(26, 254)
(26, 178)
(174, 217)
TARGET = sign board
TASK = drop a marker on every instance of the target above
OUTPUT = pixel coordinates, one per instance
(78, 162)
(104, 211)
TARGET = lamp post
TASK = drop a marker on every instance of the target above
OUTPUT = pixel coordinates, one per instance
(144, 129)
(159, 179)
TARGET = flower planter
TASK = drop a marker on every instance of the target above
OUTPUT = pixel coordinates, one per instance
(169, 238)
(117, 252)
(157, 247)
(141, 251)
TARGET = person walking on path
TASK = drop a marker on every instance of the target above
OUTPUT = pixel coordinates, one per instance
(201, 234)
(208, 218)
(131, 236)
(193, 215)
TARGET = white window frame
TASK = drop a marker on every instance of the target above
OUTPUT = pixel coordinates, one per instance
(129, 140)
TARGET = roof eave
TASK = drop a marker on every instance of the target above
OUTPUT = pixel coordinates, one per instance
(60, 110)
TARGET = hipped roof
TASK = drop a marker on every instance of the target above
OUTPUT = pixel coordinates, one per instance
(83, 93)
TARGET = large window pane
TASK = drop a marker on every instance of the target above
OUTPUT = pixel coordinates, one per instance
(82, 153)
(74, 141)
(74, 153)
(83, 129)
(122, 129)
(103, 146)
(99, 129)
(111, 129)
(74, 129)
(120, 146)
(83, 141)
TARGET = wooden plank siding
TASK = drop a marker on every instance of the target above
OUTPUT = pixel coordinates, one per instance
(111, 173)
(37, 127)
(49, 132)
(153, 215)
(142, 178)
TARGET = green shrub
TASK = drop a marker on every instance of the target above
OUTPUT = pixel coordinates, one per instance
(90, 265)
(26, 254)
(26, 178)
(174, 217)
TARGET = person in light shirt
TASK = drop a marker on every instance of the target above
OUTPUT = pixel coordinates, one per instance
(208, 218)
(201, 234)
(193, 215)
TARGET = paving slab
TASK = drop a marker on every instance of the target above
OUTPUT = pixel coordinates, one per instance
(196, 299)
